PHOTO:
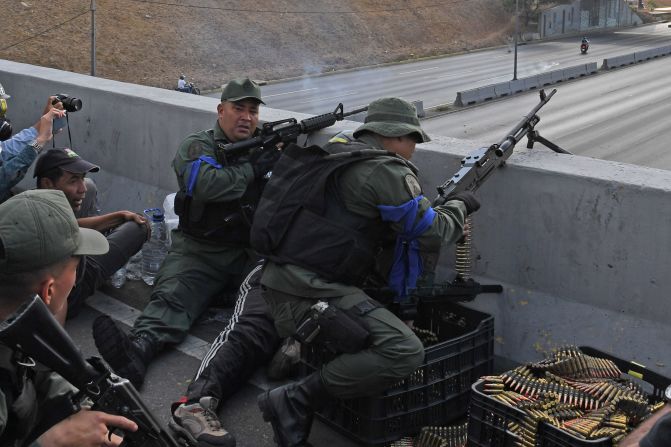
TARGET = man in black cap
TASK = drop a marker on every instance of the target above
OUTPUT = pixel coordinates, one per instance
(210, 249)
(62, 169)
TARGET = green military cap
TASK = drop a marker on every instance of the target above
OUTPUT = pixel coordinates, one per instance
(392, 117)
(239, 89)
(39, 229)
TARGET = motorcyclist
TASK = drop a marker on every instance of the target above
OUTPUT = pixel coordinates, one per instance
(584, 44)
(182, 85)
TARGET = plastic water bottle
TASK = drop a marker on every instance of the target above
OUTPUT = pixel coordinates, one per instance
(154, 250)
(119, 278)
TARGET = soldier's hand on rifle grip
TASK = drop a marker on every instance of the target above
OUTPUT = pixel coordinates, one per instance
(264, 160)
(468, 199)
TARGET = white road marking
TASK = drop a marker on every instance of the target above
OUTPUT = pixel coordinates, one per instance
(417, 71)
(289, 93)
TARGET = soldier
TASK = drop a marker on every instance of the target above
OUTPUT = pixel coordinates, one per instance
(210, 249)
(349, 210)
(40, 247)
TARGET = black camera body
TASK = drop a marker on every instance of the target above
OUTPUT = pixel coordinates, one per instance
(70, 103)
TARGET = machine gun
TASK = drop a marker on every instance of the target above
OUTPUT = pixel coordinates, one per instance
(34, 331)
(477, 166)
(284, 131)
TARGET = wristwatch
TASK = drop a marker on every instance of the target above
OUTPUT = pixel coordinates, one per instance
(37, 146)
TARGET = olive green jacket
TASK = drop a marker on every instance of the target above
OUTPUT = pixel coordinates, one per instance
(364, 186)
(213, 185)
(35, 395)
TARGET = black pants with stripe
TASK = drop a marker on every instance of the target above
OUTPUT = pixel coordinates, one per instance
(248, 342)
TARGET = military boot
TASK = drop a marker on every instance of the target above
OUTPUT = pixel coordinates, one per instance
(128, 355)
(290, 409)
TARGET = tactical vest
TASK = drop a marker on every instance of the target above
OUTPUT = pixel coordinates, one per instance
(302, 221)
(226, 223)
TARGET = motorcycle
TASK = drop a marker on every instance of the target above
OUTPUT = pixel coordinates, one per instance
(584, 47)
(190, 88)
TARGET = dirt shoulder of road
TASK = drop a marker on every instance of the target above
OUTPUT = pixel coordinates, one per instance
(212, 41)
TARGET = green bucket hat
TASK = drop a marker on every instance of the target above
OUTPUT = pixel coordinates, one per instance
(239, 89)
(39, 229)
(392, 117)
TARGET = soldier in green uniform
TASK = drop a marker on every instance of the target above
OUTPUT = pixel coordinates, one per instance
(210, 248)
(40, 248)
(352, 217)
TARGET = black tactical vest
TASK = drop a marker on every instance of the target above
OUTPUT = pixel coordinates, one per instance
(301, 220)
(226, 223)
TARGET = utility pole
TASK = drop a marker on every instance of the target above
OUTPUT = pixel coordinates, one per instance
(517, 31)
(93, 37)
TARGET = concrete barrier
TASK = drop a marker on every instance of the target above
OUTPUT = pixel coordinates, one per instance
(516, 86)
(619, 61)
(487, 93)
(467, 97)
(574, 72)
(544, 78)
(419, 105)
(576, 267)
(502, 89)
(531, 83)
(591, 68)
(557, 76)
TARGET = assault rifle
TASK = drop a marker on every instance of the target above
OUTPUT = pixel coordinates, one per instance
(477, 166)
(35, 332)
(284, 131)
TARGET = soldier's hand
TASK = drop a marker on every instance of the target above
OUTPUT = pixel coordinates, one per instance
(86, 429)
(468, 199)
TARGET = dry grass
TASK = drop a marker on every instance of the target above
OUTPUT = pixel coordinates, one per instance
(149, 43)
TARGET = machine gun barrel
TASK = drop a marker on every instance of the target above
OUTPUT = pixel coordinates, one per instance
(477, 166)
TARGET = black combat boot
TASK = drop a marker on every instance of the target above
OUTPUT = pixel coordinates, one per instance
(290, 409)
(128, 355)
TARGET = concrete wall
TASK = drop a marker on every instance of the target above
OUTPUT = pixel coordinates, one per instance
(581, 245)
(586, 15)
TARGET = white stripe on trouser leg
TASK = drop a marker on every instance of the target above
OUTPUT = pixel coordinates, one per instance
(222, 338)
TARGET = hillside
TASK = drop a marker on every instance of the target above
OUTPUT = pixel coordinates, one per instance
(152, 41)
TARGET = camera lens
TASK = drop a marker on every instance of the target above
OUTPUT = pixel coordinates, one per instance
(72, 104)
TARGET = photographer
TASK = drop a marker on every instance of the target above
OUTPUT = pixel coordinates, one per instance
(40, 248)
(18, 152)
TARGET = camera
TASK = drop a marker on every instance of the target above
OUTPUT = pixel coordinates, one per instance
(70, 104)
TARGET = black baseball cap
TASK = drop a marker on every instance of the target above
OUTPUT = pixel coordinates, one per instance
(64, 158)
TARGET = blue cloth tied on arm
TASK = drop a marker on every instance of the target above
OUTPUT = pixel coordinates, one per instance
(407, 266)
(195, 168)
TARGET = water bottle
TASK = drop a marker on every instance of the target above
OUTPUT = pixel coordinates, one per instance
(155, 249)
(119, 278)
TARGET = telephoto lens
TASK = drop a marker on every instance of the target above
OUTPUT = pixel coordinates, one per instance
(70, 104)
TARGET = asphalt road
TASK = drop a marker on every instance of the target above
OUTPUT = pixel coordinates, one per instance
(618, 115)
(437, 81)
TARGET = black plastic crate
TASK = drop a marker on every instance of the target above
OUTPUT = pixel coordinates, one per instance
(488, 418)
(435, 394)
